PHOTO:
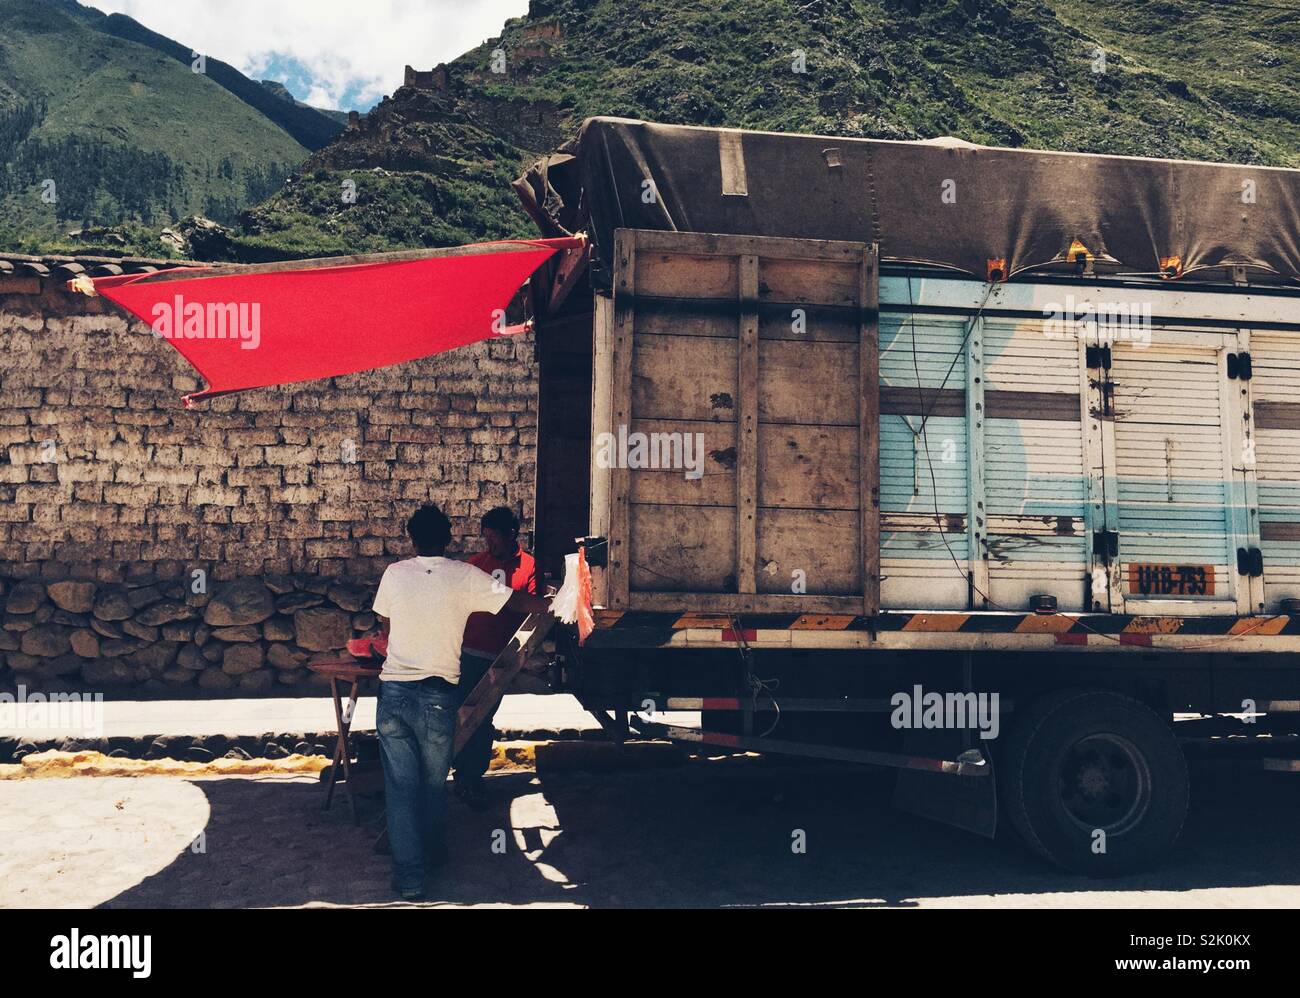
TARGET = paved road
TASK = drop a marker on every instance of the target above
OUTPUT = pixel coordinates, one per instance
(709, 833)
(253, 716)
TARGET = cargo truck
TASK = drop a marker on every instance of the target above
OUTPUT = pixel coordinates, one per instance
(979, 463)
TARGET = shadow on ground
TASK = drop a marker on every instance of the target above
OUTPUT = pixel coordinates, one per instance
(705, 834)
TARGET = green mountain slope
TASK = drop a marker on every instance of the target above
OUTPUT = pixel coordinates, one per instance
(278, 89)
(307, 125)
(1202, 79)
(123, 131)
(424, 172)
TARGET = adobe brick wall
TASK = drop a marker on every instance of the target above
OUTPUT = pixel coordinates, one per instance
(105, 477)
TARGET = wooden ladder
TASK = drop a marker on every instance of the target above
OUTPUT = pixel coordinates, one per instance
(500, 674)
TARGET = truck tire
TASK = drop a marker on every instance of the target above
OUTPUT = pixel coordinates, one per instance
(1093, 781)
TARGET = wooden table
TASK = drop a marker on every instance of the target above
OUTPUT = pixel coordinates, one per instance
(352, 671)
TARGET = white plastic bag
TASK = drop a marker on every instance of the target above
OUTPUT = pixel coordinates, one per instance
(565, 604)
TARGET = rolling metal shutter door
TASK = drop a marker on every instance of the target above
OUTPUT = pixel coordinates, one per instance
(923, 471)
(1035, 482)
(1170, 464)
(1275, 389)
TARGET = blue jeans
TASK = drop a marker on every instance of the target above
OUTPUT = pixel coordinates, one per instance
(417, 729)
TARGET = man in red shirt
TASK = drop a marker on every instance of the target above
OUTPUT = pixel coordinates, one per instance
(486, 635)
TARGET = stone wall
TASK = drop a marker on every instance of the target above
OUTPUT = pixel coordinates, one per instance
(247, 635)
(128, 524)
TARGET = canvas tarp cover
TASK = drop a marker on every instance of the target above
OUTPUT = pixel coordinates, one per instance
(1024, 207)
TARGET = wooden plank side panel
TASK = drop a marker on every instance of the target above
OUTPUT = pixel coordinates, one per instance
(799, 467)
(678, 275)
(747, 427)
(775, 247)
(683, 549)
(788, 411)
(814, 383)
(820, 282)
(621, 540)
(679, 317)
(814, 467)
(684, 377)
(713, 443)
(808, 325)
(808, 551)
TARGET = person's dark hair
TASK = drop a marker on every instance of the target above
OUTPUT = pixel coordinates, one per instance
(430, 530)
(501, 518)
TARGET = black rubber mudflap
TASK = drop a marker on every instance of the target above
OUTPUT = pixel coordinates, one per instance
(966, 802)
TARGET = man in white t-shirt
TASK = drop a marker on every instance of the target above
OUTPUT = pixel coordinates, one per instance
(422, 604)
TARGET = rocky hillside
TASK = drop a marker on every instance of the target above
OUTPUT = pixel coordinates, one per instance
(1203, 79)
(423, 169)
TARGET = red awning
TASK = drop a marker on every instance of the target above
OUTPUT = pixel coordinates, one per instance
(272, 324)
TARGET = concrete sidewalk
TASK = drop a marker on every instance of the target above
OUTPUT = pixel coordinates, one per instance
(551, 715)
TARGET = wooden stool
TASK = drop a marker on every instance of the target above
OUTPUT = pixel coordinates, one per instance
(351, 671)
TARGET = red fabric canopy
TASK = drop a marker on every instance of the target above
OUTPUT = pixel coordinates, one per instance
(272, 324)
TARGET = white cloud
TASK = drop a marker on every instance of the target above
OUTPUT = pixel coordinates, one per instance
(351, 53)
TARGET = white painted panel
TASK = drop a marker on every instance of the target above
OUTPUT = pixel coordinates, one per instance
(1035, 483)
(1019, 355)
(1275, 361)
(923, 467)
(934, 584)
(1169, 460)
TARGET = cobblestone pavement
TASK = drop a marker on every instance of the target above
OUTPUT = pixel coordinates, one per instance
(708, 833)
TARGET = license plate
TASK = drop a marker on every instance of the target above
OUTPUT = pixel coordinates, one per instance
(1171, 580)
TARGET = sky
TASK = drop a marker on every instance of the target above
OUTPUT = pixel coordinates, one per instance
(343, 54)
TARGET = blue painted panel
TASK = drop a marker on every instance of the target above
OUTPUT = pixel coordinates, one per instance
(926, 346)
(907, 488)
(1282, 498)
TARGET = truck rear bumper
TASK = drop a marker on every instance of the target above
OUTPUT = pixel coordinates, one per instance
(948, 631)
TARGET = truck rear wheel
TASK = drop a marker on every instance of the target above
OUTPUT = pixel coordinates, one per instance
(1094, 781)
